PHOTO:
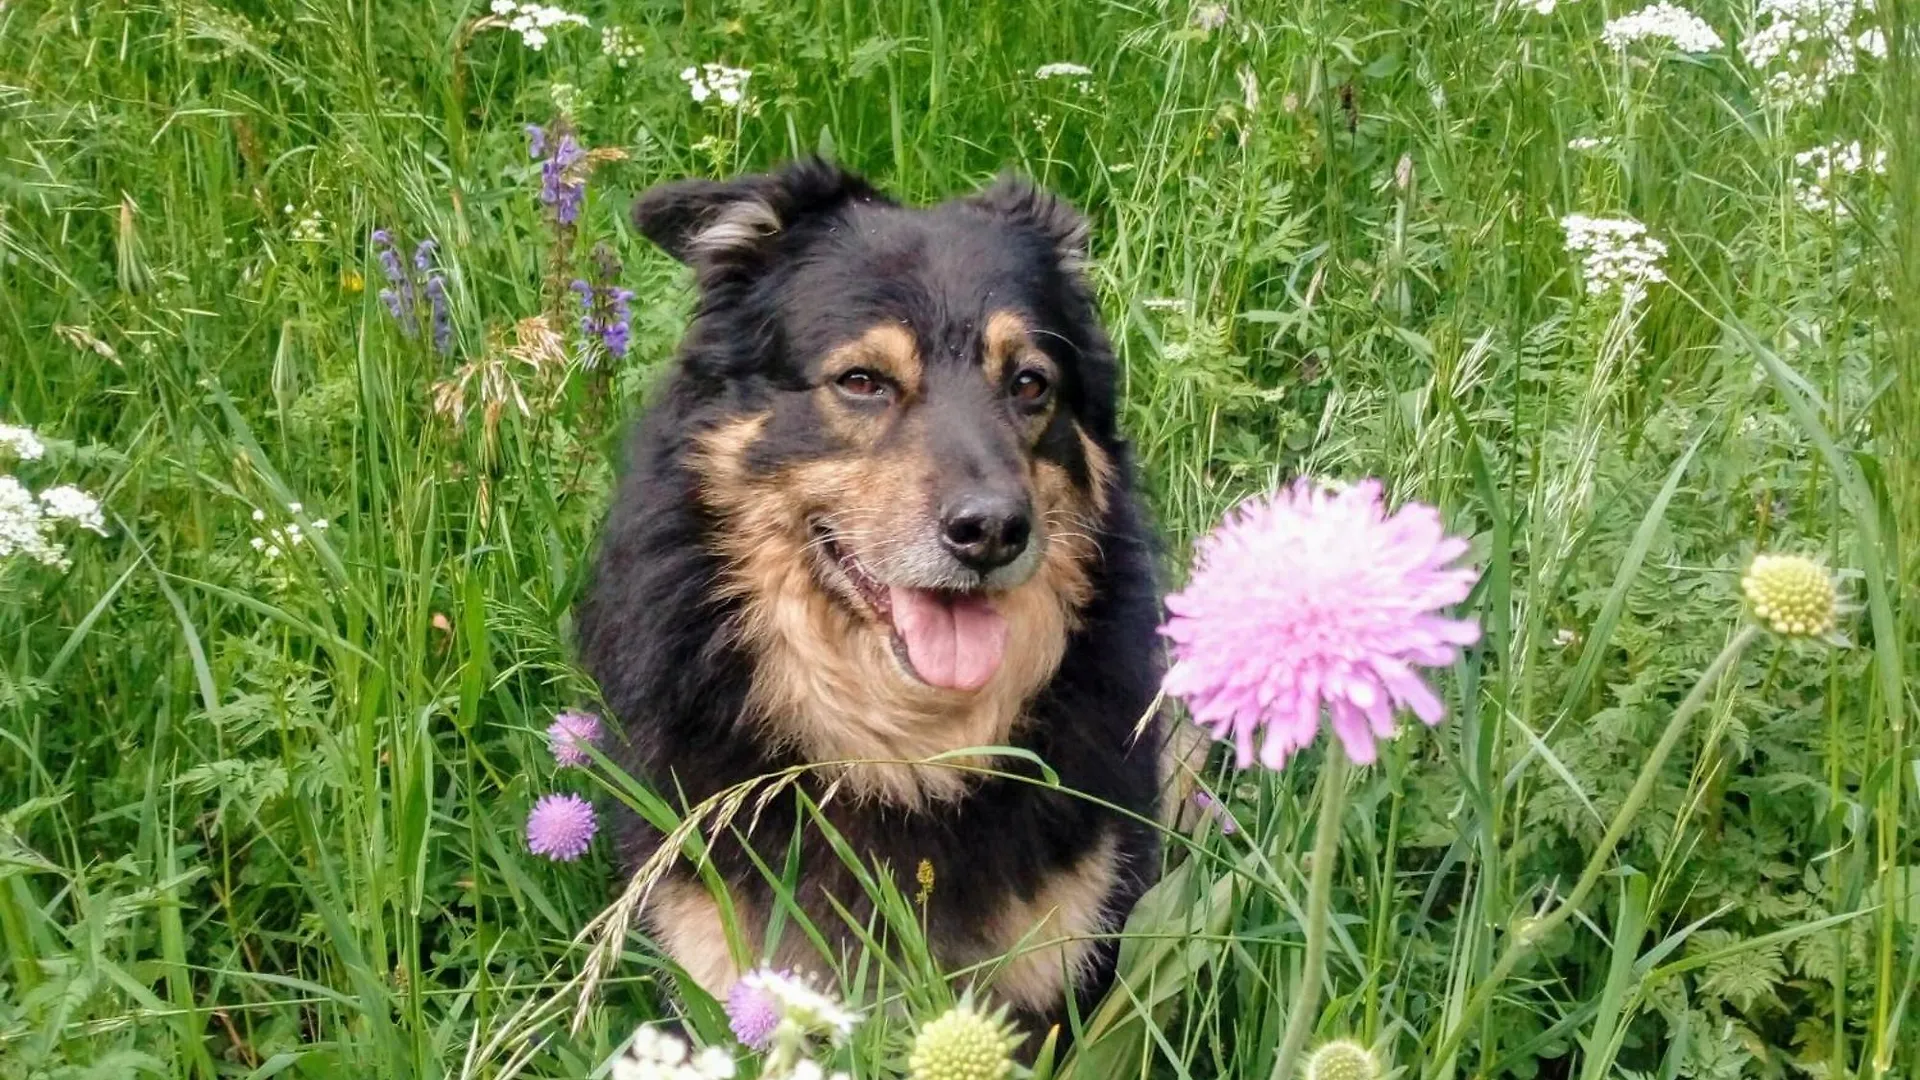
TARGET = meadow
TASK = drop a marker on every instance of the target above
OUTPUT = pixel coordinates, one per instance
(1630, 302)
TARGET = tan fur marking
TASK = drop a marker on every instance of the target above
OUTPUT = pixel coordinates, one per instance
(685, 920)
(1099, 470)
(1006, 339)
(826, 682)
(1051, 935)
(887, 348)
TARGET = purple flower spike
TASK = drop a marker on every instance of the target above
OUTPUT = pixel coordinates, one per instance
(536, 141)
(423, 255)
(442, 314)
(569, 736)
(561, 827)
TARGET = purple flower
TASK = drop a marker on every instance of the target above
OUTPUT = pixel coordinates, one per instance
(560, 827)
(423, 255)
(442, 315)
(752, 1014)
(569, 736)
(536, 141)
(606, 309)
(562, 187)
(1211, 807)
(1312, 600)
(399, 294)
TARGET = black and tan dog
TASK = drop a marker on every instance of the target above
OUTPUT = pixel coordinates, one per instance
(879, 512)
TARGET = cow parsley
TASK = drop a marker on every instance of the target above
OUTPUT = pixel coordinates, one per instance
(532, 21)
(1616, 253)
(1812, 43)
(1662, 22)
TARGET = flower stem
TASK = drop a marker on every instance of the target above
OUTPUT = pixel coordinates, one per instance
(1532, 931)
(1326, 852)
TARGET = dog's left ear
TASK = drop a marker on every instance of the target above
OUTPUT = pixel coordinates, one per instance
(720, 225)
(1021, 202)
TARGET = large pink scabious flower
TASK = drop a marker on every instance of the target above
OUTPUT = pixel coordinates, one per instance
(1311, 598)
(561, 827)
(569, 736)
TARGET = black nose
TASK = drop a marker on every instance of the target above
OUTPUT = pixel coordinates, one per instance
(986, 531)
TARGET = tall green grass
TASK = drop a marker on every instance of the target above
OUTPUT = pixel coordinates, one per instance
(262, 817)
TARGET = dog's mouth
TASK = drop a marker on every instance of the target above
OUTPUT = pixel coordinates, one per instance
(949, 638)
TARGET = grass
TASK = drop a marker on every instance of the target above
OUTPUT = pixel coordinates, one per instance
(262, 816)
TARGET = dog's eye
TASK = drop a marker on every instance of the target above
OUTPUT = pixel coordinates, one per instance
(1030, 387)
(861, 383)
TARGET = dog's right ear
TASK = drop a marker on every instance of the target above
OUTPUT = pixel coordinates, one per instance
(719, 225)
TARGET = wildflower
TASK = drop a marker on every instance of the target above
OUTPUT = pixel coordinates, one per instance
(606, 311)
(1081, 75)
(563, 178)
(802, 1009)
(1616, 253)
(532, 21)
(752, 1014)
(1791, 594)
(961, 1044)
(1662, 22)
(619, 46)
(25, 528)
(560, 827)
(1209, 16)
(24, 444)
(69, 503)
(311, 229)
(1826, 164)
(441, 314)
(569, 736)
(1210, 807)
(1343, 1059)
(1812, 42)
(1587, 142)
(716, 81)
(1310, 598)
(653, 1054)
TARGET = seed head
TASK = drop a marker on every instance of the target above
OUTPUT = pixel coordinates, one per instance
(1343, 1059)
(961, 1044)
(1791, 595)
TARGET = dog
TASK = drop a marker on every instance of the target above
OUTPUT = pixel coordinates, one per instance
(879, 511)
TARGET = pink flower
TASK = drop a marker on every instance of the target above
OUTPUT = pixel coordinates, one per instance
(569, 736)
(752, 1014)
(561, 827)
(1308, 598)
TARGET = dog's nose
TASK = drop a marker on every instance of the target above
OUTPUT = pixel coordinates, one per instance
(986, 532)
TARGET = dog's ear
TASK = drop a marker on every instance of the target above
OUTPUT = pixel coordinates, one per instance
(712, 225)
(1019, 201)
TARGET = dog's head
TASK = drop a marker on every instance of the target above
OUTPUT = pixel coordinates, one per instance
(914, 406)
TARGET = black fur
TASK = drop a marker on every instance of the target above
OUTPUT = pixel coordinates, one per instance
(659, 640)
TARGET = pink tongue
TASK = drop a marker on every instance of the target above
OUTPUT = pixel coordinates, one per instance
(954, 641)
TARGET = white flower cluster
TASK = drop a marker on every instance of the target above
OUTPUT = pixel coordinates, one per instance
(24, 444)
(1662, 22)
(620, 46)
(532, 21)
(717, 81)
(310, 229)
(1081, 74)
(1812, 41)
(1815, 194)
(1616, 253)
(657, 1055)
(280, 539)
(803, 1007)
(27, 522)
(1588, 142)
